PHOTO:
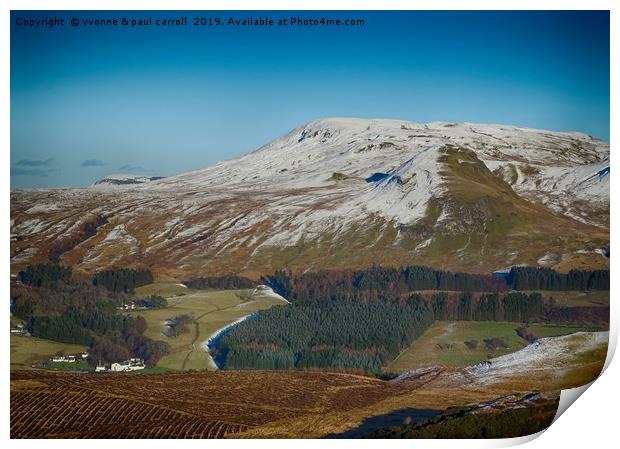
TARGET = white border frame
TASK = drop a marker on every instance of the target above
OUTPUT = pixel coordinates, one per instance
(590, 422)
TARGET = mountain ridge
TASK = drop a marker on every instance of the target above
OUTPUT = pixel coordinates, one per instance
(346, 193)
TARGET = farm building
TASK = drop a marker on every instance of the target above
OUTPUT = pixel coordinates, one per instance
(20, 329)
(128, 365)
(130, 306)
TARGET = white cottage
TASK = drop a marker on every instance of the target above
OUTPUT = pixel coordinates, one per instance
(128, 365)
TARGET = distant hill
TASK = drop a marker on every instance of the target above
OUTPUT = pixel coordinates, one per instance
(125, 180)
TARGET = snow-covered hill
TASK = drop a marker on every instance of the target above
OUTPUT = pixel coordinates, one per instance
(556, 169)
(124, 180)
(349, 192)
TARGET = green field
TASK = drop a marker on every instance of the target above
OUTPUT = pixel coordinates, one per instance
(210, 309)
(165, 289)
(548, 330)
(444, 343)
(25, 351)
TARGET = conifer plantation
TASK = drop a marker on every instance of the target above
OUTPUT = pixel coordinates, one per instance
(361, 335)
(361, 320)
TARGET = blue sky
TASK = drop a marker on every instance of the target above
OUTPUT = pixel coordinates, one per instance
(86, 102)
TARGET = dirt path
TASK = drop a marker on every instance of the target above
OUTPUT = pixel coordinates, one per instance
(204, 345)
(197, 332)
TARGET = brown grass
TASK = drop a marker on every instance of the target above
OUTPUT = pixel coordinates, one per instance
(513, 231)
(252, 404)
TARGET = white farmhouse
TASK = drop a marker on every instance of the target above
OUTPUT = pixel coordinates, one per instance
(128, 365)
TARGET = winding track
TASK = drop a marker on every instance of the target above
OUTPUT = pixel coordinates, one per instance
(197, 332)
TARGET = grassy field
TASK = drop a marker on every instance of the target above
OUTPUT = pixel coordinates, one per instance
(210, 309)
(575, 298)
(28, 350)
(165, 289)
(444, 343)
(548, 330)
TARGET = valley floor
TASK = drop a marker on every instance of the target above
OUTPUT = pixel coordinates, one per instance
(210, 310)
(276, 404)
(447, 344)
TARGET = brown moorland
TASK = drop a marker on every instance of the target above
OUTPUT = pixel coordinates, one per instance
(263, 404)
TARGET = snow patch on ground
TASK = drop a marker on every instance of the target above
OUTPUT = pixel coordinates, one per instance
(43, 208)
(215, 336)
(544, 354)
(29, 227)
(120, 235)
(24, 255)
(264, 290)
(548, 259)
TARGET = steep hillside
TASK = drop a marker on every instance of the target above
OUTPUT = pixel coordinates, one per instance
(343, 193)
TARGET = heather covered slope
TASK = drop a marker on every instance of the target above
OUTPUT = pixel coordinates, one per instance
(342, 193)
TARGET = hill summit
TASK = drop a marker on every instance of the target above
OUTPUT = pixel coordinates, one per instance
(345, 193)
